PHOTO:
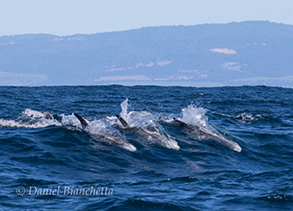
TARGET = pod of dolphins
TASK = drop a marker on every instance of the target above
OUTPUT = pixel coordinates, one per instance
(150, 130)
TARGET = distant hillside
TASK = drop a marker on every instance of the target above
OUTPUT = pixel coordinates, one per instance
(247, 53)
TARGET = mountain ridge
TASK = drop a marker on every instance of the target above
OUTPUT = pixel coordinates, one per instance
(245, 53)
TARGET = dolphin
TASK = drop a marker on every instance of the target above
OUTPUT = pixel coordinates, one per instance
(207, 132)
(157, 135)
(105, 132)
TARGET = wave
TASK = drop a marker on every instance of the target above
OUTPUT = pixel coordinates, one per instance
(143, 123)
(153, 177)
(31, 119)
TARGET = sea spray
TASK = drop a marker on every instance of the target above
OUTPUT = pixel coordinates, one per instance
(124, 108)
(194, 115)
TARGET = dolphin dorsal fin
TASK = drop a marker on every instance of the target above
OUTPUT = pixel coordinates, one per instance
(123, 122)
(82, 121)
(180, 122)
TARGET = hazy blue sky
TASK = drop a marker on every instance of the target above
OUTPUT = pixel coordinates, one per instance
(64, 17)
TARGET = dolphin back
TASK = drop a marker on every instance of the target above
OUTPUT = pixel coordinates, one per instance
(183, 124)
(82, 121)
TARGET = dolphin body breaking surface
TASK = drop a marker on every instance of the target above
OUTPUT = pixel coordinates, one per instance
(144, 124)
(157, 135)
(105, 132)
(207, 132)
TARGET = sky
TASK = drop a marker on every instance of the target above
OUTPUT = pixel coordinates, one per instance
(67, 17)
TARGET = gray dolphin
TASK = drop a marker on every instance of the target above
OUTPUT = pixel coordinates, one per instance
(105, 132)
(157, 135)
(208, 132)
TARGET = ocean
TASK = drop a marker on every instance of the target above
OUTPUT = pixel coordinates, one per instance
(174, 148)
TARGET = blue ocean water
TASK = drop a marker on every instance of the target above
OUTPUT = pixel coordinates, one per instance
(49, 162)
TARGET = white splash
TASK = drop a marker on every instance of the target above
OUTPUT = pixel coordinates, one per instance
(31, 119)
(124, 108)
(194, 116)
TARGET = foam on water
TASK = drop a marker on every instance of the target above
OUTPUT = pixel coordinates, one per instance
(248, 118)
(31, 119)
(22, 124)
(33, 114)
